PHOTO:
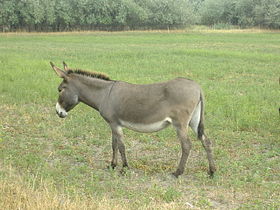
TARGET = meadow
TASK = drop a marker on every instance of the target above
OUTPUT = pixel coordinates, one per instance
(52, 163)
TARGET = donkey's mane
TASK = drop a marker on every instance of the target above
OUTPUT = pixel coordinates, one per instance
(88, 74)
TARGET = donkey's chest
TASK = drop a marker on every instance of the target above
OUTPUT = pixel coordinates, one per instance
(147, 127)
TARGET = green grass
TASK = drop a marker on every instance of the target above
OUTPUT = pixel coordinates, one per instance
(239, 73)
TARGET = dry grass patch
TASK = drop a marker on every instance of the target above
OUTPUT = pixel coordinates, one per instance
(15, 194)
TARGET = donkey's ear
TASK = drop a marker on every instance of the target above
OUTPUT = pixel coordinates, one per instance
(58, 71)
(65, 66)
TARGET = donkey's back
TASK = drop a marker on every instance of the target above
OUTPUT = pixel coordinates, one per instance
(151, 103)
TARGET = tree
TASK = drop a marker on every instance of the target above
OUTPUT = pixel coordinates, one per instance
(267, 14)
(49, 15)
(212, 12)
(134, 14)
(8, 16)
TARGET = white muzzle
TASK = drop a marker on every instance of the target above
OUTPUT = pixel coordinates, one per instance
(60, 111)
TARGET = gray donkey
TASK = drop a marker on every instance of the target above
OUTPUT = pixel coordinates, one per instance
(142, 108)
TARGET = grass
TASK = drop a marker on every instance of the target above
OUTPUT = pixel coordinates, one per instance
(44, 158)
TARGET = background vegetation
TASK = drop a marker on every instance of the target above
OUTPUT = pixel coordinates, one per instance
(52, 163)
(69, 15)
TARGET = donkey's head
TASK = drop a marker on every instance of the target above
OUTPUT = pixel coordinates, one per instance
(68, 96)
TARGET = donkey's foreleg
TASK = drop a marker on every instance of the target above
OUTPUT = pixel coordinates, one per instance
(117, 144)
(186, 148)
(122, 151)
(114, 161)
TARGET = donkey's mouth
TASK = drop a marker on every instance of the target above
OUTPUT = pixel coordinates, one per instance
(62, 114)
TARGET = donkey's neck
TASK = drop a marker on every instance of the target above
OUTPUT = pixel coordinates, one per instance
(93, 91)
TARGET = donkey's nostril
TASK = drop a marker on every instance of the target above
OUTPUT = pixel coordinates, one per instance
(59, 113)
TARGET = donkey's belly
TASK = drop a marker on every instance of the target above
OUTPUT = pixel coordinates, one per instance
(147, 128)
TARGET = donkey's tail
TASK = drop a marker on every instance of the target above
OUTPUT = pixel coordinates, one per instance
(200, 129)
(197, 120)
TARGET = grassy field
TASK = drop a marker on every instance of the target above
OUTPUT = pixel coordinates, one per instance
(52, 163)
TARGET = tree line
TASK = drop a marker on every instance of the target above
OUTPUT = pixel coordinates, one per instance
(67, 15)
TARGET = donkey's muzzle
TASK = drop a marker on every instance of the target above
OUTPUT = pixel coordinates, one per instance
(60, 111)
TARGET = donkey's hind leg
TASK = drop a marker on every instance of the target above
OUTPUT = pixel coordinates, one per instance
(206, 143)
(198, 127)
(185, 146)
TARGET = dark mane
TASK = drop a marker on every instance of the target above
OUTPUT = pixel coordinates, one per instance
(88, 74)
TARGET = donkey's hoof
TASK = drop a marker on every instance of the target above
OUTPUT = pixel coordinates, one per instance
(175, 174)
(111, 167)
(211, 173)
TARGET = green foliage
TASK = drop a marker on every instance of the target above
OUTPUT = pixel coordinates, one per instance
(267, 13)
(64, 15)
(244, 13)
(8, 16)
(68, 15)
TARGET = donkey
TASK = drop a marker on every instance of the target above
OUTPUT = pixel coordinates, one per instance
(142, 108)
